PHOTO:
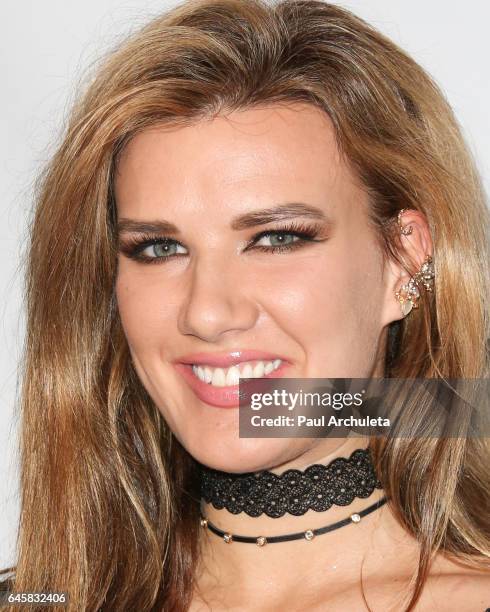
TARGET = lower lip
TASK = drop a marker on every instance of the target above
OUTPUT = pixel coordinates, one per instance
(220, 397)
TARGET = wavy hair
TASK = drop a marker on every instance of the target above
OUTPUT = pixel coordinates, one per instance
(109, 498)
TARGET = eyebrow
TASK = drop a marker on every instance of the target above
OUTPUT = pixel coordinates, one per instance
(251, 219)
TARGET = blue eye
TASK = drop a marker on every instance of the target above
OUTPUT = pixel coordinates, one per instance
(159, 249)
(279, 239)
(163, 249)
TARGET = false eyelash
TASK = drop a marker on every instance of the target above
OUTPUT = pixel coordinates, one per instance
(307, 233)
(133, 246)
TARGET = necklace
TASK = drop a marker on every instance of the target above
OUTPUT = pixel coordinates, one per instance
(308, 535)
(317, 487)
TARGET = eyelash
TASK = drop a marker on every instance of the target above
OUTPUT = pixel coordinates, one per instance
(133, 247)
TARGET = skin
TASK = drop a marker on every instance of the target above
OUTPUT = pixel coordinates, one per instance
(325, 306)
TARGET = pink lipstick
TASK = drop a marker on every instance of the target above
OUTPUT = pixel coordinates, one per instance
(224, 396)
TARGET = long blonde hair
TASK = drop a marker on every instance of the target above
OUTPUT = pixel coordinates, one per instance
(109, 499)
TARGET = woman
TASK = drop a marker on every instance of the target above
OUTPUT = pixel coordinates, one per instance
(251, 190)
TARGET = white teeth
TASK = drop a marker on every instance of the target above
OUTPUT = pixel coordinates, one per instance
(247, 371)
(259, 370)
(233, 376)
(268, 368)
(221, 377)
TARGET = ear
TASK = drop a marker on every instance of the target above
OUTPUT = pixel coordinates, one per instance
(412, 250)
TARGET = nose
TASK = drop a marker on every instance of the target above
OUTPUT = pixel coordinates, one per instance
(216, 302)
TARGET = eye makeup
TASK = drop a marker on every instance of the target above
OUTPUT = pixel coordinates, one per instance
(137, 247)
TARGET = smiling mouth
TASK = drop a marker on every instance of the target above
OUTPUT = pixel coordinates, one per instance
(221, 387)
(226, 377)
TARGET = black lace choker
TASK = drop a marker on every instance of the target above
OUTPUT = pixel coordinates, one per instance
(317, 487)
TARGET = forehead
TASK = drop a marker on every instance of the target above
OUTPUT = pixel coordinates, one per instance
(269, 150)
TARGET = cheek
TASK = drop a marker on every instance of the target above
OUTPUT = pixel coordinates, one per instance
(315, 294)
(144, 306)
(331, 307)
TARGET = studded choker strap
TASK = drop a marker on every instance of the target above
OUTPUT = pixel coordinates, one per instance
(308, 535)
(317, 487)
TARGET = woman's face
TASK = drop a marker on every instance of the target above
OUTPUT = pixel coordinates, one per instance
(212, 291)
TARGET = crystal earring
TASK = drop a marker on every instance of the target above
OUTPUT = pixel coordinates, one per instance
(409, 293)
(405, 231)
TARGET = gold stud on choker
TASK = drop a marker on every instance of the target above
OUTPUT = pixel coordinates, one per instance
(307, 535)
(294, 492)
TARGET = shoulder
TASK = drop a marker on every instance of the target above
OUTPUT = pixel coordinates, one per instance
(451, 585)
(455, 587)
(461, 591)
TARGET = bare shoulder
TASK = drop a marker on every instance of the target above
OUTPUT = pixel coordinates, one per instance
(452, 586)
(458, 590)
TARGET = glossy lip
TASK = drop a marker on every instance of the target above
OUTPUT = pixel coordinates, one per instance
(228, 358)
(223, 397)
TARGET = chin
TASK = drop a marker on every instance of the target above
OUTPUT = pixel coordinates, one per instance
(245, 454)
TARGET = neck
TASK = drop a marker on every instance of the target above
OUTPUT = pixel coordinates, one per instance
(249, 563)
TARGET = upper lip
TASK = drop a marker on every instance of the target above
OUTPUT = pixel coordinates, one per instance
(228, 358)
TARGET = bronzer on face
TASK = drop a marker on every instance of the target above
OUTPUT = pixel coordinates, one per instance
(245, 249)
